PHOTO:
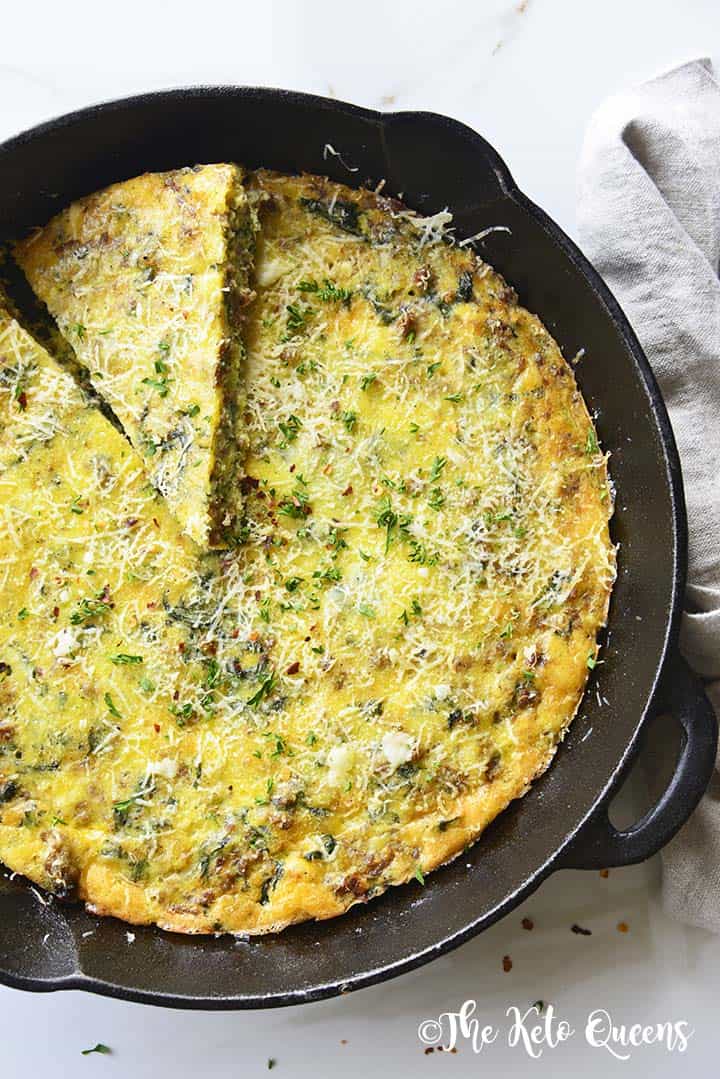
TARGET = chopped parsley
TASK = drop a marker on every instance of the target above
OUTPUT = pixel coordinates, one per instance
(437, 499)
(111, 706)
(296, 505)
(99, 1048)
(122, 659)
(349, 418)
(437, 466)
(328, 292)
(290, 428)
(387, 519)
(87, 609)
(264, 690)
(297, 317)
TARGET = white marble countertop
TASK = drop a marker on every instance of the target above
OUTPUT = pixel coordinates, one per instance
(526, 75)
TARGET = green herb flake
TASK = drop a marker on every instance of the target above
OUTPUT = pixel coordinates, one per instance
(437, 466)
(419, 875)
(264, 690)
(387, 519)
(88, 609)
(123, 659)
(160, 385)
(296, 505)
(437, 499)
(298, 317)
(290, 428)
(111, 706)
(99, 1048)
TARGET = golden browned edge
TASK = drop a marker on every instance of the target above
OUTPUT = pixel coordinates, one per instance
(301, 899)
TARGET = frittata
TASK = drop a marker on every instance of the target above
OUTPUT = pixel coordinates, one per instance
(148, 281)
(234, 741)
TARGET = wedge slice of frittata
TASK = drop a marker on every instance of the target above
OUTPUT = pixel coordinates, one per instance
(148, 281)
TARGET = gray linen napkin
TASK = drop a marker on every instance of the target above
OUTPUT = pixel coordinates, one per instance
(649, 219)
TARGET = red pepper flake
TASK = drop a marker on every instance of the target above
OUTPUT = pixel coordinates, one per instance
(293, 668)
(55, 612)
(348, 490)
(579, 929)
(156, 522)
(181, 646)
(292, 468)
(622, 927)
(528, 923)
(22, 400)
(157, 728)
(235, 634)
(507, 964)
(605, 873)
(33, 573)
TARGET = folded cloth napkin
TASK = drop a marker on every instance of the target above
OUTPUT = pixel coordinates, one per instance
(649, 219)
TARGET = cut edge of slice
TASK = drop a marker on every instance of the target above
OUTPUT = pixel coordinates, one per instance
(206, 500)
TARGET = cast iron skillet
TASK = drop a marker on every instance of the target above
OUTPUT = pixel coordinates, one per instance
(563, 822)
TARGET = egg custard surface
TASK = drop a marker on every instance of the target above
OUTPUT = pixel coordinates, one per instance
(232, 741)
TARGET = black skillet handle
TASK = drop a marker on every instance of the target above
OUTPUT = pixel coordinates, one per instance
(600, 844)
